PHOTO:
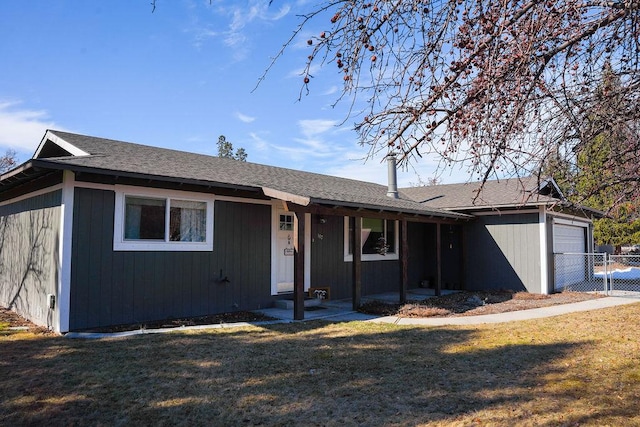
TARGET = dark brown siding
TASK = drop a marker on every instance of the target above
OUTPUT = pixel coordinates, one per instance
(110, 288)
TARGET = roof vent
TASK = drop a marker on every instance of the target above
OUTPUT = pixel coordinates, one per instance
(392, 190)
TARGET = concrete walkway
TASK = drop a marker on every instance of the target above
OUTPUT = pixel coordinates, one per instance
(341, 311)
(534, 313)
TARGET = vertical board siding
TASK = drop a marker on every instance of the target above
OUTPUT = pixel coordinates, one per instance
(423, 255)
(110, 288)
(451, 247)
(420, 252)
(329, 269)
(29, 256)
(503, 252)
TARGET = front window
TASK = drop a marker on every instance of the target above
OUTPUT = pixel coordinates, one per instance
(187, 221)
(154, 222)
(379, 239)
(144, 218)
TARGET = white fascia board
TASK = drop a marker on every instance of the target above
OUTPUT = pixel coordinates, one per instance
(509, 212)
(553, 182)
(50, 136)
(566, 219)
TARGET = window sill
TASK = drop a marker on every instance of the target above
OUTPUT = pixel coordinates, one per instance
(163, 246)
(373, 257)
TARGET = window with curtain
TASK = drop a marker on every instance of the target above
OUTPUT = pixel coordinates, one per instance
(162, 223)
(187, 221)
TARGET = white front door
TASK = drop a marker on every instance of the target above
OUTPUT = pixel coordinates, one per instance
(284, 250)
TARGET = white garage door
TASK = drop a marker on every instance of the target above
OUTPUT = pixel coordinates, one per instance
(570, 269)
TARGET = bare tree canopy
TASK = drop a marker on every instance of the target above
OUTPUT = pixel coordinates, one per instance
(8, 160)
(498, 86)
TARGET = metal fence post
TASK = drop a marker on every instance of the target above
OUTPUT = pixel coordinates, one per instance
(605, 263)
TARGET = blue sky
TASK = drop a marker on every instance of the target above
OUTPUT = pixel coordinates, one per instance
(178, 78)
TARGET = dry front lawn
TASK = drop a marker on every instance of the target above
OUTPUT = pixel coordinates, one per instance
(579, 369)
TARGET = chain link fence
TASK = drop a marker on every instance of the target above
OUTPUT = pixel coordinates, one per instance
(623, 274)
(616, 275)
(580, 272)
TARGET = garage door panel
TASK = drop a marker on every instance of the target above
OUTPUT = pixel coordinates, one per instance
(569, 269)
(568, 238)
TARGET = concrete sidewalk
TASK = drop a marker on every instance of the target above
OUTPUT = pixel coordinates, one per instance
(534, 313)
(341, 311)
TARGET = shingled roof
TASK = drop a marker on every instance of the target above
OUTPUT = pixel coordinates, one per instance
(63, 150)
(504, 193)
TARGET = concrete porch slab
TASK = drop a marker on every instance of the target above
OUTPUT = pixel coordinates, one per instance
(287, 304)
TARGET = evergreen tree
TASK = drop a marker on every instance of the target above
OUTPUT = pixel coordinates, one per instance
(600, 174)
(225, 149)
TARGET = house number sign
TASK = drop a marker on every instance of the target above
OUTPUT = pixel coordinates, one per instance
(288, 251)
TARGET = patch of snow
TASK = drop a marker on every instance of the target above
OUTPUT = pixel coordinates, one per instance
(630, 273)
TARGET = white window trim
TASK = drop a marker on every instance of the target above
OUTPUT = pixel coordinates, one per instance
(371, 257)
(120, 244)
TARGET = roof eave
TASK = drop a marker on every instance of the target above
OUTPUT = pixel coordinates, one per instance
(137, 175)
(399, 210)
(503, 206)
(286, 196)
(21, 169)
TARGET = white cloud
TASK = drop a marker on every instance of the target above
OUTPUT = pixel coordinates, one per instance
(298, 72)
(22, 128)
(318, 139)
(374, 169)
(236, 35)
(259, 143)
(332, 90)
(370, 171)
(313, 127)
(305, 151)
(244, 118)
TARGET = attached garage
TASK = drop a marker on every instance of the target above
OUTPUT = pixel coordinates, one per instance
(569, 239)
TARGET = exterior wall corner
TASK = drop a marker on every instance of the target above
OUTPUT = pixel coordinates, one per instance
(63, 304)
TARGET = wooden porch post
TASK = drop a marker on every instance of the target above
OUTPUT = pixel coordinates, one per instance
(298, 269)
(463, 261)
(357, 262)
(404, 261)
(438, 259)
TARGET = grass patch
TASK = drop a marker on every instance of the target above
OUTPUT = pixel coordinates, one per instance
(578, 369)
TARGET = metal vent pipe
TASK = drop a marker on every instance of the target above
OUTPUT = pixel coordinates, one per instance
(392, 179)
